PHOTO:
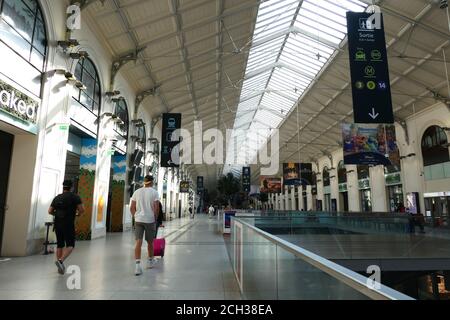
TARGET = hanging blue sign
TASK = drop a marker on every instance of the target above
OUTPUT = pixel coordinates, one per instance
(372, 100)
(171, 122)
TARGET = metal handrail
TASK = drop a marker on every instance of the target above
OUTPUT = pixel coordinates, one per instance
(347, 276)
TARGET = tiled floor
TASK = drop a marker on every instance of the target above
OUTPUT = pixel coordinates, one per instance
(195, 267)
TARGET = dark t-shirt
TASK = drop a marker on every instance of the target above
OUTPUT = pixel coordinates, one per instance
(68, 202)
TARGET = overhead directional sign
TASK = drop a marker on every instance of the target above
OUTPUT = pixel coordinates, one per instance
(372, 100)
(200, 187)
(246, 179)
(171, 122)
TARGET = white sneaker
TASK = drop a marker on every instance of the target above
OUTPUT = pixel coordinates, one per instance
(138, 270)
(151, 263)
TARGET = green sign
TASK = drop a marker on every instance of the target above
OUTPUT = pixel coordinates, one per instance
(343, 187)
(364, 184)
(393, 178)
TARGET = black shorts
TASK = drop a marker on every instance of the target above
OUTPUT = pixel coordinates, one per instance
(65, 234)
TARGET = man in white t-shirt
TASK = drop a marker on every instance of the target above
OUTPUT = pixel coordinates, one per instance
(145, 209)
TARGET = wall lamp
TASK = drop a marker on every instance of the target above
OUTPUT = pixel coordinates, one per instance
(69, 76)
(118, 121)
(134, 138)
(106, 114)
(80, 85)
(68, 44)
(408, 156)
(112, 93)
(79, 55)
(138, 123)
(116, 100)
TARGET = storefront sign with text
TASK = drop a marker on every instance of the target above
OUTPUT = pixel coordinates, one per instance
(17, 103)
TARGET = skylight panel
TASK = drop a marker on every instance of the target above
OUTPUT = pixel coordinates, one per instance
(326, 13)
(301, 38)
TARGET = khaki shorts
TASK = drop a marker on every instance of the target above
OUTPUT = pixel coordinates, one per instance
(149, 228)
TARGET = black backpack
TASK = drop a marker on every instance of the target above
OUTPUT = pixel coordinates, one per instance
(60, 208)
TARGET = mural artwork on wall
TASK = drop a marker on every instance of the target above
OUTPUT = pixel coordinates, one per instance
(118, 192)
(86, 187)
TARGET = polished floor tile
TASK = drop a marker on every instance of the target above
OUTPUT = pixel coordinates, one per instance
(196, 266)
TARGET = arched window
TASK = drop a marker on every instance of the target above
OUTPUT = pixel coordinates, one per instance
(314, 184)
(434, 146)
(363, 172)
(342, 172)
(89, 96)
(326, 177)
(22, 28)
(141, 139)
(121, 111)
(141, 134)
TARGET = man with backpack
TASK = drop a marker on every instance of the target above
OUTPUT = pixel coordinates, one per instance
(64, 208)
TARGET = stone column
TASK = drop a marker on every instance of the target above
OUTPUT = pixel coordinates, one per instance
(378, 189)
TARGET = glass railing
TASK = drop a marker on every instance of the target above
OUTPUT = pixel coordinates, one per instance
(355, 237)
(268, 267)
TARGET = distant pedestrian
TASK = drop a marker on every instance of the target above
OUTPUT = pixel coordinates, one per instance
(211, 211)
(65, 207)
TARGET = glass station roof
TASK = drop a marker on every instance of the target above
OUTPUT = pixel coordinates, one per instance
(293, 40)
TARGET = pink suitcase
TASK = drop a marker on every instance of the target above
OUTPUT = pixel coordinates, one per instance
(158, 247)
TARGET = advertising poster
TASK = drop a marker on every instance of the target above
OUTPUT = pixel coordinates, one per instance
(270, 184)
(412, 202)
(306, 174)
(368, 144)
(291, 174)
(119, 165)
(184, 187)
(86, 185)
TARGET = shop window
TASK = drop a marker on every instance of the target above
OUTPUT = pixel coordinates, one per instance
(326, 177)
(434, 146)
(342, 172)
(22, 28)
(89, 96)
(314, 184)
